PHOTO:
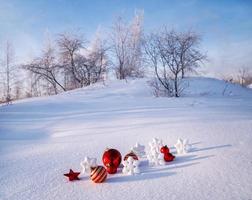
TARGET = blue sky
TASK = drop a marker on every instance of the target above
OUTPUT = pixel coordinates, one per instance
(225, 25)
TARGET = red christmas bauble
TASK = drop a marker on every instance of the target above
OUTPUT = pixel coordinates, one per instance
(111, 159)
(169, 157)
(111, 169)
(164, 149)
(98, 174)
(132, 154)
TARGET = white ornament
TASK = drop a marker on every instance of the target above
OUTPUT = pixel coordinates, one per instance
(139, 150)
(182, 146)
(87, 163)
(156, 144)
(154, 156)
(130, 166)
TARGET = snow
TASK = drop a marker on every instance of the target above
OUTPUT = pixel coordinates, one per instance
(42, 138)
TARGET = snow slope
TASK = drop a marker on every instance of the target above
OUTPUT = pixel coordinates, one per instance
(42, 138)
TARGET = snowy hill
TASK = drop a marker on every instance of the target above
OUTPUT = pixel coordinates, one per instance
(42, 138)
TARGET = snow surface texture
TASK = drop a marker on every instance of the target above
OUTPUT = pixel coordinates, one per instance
(42, 138)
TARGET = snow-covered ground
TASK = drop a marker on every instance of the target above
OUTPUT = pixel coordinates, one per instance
(42, 138)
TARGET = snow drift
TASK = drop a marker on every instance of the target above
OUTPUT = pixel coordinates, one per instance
(42, 138)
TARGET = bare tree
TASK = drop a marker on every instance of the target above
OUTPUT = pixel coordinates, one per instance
(84, 65)
(9, 71)
(127, 43)
(119, 39)
(170, 56)
(243, 76)
(34, 84)
(162, 50)
(45, 68)
(18, 90)
(70, 45)
(190, 56)
(154, 57)
(136, 45)
(98, 57)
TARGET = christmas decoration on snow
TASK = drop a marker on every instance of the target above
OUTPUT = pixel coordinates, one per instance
(111, 159)
(157, 155)
(132, 154)
(168, 157)
(98, 174)
(72, 175)
(154, 156)
(182, 146)
(87, 164)
(130, 166)
(139, 150)
(156, 144)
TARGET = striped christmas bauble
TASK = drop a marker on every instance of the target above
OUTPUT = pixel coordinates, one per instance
(98, 174)
(132, 154)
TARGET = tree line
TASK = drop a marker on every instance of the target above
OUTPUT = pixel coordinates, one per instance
(70, 61)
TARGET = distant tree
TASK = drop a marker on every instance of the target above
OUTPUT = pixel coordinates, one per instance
(45, 68)
(98, 59)
(70, 45)
(190, 56)
(242, 76)
(136, 44)
(34, 84)
(81, 64)
(18, 90)
(127, 44)
(9, 72)
(153, 53)
(171, 53)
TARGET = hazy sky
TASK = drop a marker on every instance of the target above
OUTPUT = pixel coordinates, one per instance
(225, 25)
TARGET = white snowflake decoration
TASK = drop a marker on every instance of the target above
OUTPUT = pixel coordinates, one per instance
(154, 156)
(182, 146)
(156, 144)
(139, 150)
(87, 163)
(130, 166)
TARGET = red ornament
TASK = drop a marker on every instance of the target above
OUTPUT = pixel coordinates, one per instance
(111, 169)
(132, 154)
(98, 174)
(164, 149)
(72, 175)
(111, 159)
(168, 157)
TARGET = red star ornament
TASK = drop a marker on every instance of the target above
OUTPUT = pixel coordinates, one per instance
(72, 175)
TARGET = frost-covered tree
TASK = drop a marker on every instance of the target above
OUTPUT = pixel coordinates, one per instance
(98, 58)
(127, 44)
(82, 65)
(70, 46)
(9, 72)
